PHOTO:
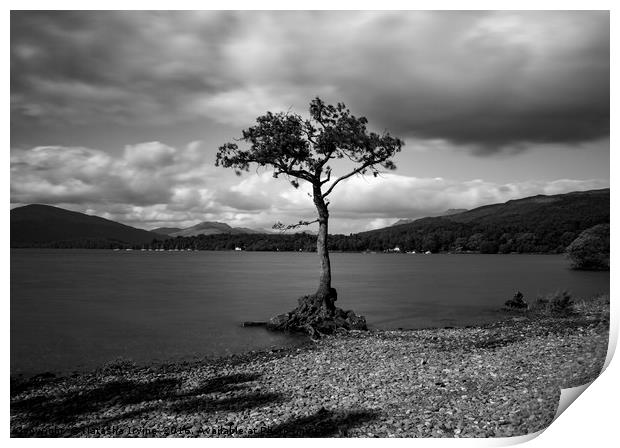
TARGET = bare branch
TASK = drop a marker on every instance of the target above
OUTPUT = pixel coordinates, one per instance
(283, 227)
(329, 176)
(352, 173)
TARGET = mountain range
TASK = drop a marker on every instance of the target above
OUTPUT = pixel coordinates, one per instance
(534, 224)
(38, 225)
(537, 224)
(206, 228)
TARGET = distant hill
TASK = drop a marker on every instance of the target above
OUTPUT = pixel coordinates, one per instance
(569, 207)
(404, 221)
(211, 228)
(534, 224)
(451, 211)
(166, 230)
(46, 226)
(205, 228)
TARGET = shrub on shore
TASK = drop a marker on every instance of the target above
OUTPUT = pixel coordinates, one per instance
(517, 302)
(556, 303)
(559, 303)
(590, 250)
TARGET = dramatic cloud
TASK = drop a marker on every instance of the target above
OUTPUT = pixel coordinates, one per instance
(529, 91)
(151, 185)
(488, 81)
(145, 174)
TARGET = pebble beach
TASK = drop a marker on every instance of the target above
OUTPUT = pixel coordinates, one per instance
(497, 380)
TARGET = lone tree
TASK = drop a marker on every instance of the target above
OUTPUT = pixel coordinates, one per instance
(301, 150)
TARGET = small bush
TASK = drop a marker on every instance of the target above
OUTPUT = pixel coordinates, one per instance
(557, 303)
(517, 302)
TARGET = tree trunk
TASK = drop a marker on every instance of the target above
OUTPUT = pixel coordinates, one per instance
(325, 279)
(317, 313)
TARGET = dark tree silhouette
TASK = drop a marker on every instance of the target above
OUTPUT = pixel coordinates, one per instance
(301, 150)
(590, 250)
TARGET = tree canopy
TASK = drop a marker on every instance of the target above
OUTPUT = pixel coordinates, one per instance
(301, 148)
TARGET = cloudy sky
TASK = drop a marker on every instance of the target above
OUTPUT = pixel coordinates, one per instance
(120, 114)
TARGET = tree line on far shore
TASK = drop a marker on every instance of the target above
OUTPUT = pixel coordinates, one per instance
(429, 234)
(449, 237)
(588, 249)
(432, 234)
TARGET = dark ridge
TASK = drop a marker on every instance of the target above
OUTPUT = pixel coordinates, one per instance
(40, 225)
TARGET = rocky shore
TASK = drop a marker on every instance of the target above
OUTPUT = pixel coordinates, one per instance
(498, 380)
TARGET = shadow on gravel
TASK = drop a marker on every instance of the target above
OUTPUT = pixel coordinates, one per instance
(224, 383)
(19, 384)
(323, 423)
(236, 403)
(45, 409)
(81, 409)
(493, 341)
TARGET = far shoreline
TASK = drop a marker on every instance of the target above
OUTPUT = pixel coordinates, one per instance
(123, 250)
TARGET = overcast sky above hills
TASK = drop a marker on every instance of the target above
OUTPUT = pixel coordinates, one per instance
(120, 114)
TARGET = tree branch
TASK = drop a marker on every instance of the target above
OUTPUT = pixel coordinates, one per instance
(283, 227)
(310, 136)
(329, 176)
(352, 173)
(288, 169)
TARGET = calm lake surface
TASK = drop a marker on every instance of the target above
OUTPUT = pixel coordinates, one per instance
(77, 309)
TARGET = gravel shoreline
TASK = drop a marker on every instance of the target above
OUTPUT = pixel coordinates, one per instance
(497, 380)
